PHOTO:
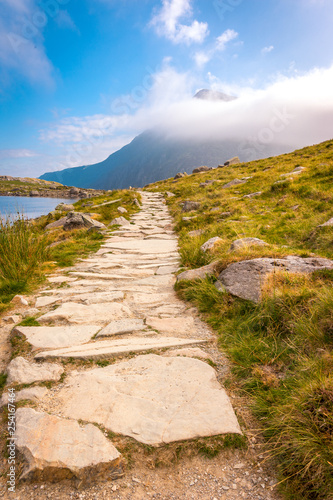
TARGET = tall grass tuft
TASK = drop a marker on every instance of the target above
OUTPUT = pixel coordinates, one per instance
(22, 250)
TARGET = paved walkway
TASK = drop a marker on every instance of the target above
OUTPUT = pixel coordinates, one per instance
(126, 354)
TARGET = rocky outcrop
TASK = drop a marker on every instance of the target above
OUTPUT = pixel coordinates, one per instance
(233, 161)
(196, 274)
(244, 279)
(246, 242)
(180, 175)
(55, 449)
(78, 220)
(21, 371)
(198, 170)
(189, 206)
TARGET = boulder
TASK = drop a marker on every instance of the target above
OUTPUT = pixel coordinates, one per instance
(189, 206)
(179, 175)
(119, 221)
(234, 182)
(210, 244)
(198, 170)
(233, 161)
(34, 193)
(55, 448)
(246, 242)
(122, 210)
(21, 371)
(64, 207)
(244, 279)
(56, 224)
(197, 274)
(77, 220)
(74, 191)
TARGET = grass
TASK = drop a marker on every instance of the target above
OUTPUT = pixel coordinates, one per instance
(281, 350)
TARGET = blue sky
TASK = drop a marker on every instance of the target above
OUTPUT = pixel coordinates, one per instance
(80, 78)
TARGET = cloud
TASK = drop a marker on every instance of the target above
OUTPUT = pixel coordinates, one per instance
(21, 42)
(167, 23)
(267, 50)
(293, 111)
(203, 57)
(17, 153)
(65, 21)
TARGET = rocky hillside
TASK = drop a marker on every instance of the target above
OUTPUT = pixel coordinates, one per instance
(27, 186)
(256, 241)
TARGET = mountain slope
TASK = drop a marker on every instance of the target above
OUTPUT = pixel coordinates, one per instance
(150, 157)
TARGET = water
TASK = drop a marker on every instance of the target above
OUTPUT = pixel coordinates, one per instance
(30, 207)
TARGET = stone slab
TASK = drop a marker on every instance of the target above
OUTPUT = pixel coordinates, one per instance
(21, 371)
(144, 246)
(107, 348)
(190, 352)
(55, 448)
(30, 393)
(94, 314)
(121, 327)
(153, 399)
(182, 324)
(51, 337)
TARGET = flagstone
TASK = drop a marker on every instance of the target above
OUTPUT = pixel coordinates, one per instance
(73, 313)
(50, 337)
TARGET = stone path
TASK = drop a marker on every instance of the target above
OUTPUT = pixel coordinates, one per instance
(153, 382)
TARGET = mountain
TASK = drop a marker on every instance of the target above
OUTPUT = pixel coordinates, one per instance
(153, 156)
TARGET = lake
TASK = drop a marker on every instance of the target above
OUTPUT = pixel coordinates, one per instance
(30, 207)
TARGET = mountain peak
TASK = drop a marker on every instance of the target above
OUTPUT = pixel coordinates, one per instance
(213, 95)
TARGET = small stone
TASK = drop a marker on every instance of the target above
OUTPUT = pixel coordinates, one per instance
(328, 223)
(241, 465)
(198, 170)
(13, 319)
(210, 244)
(122, 210)
(246, 242)
(19, 300)
(234, 182)
(252, 195)
(199, 273)
(189, 206)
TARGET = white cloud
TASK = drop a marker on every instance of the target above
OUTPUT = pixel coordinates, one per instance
(267, 50)
(293, 111)
(204, 56)
(65, 21)
(17, 153)
(167, 23)
(21, 42)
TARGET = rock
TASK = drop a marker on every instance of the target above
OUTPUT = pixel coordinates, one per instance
(224, 215)
(233, 161)
(210, 244)
(144, 247)
(122, 210)
(34, 193)
(79, 314)
(77, 220)
(121, 327)
(30, 313)
(74, 191)
(328, 223)
(170, 195)
(234, 182)
(246, 242)
(196, 232)
(252, 195)
(207, 183)
(105, 349)
(63, 207)
(188, 219)
(296, 207)
(135, 201)
(190, 352)
(179, 175)
(196, 274)
(198, 170)
(21, 371)
(189, 206)
(19, 300)
(185, 324)
(153, 399)
(57, 223)
(30, 393)
(244, 279)
(218, 285)
(55, 448)
(13, 319)
(51, 337)
(119, 221)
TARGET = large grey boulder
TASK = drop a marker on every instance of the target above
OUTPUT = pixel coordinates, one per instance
(233, 161)
(197, 274)
(77, 220)
(21, 371)
(189, 206)
(198, 170)
(246, 242)
(74, 191)
(56, 224)
(153, 399)
(210, 244)
(55, 448)
(245, 279)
